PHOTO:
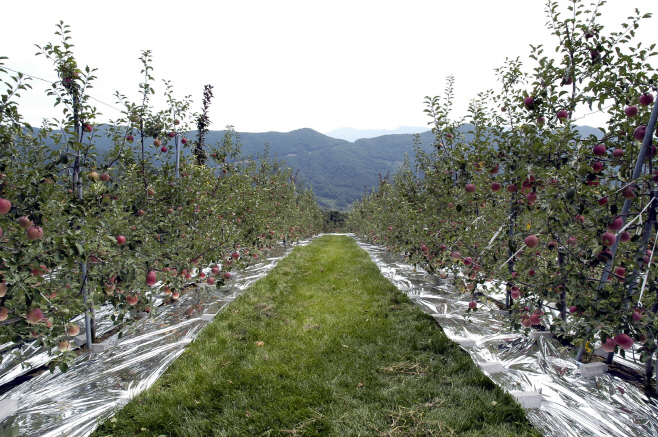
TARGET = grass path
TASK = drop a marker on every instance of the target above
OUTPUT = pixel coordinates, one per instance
(322, 346)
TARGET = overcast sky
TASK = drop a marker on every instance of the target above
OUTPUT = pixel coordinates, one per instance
(284, 65)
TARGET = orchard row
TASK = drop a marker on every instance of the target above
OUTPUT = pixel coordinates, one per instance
(564, 222)
(82, 227)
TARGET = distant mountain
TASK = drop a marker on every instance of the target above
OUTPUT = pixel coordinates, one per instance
(351, 134)
(338, 170)
(586, 131)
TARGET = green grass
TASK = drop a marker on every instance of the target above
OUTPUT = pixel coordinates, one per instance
(343, 353)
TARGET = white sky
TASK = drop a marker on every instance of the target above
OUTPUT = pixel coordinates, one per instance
(283, 65)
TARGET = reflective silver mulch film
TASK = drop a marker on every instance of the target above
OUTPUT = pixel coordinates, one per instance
(72, 404)
(571, 405)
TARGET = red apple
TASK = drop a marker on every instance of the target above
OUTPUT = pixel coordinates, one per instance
(25, 222)
(631, 111)
(525, 321)
(624, 341)
(121, 240)
(618, 153)
(151, 278)
(646, 99)
(535, 319)
(35, 315)
(235, 255)
(175, 295)
(603, 201)
(132, 300)
(4, 314)
(495, 169)
(516, 294)
(599, 149)
(609, 345)
(495, 187)
(620, 271)
(215, 270)
(140, 213)
(531, 241)
(105, 177)
(608, 239)
(531, 198)
(468, 261)
(163, 149)
(171, 134)
(528, 101)
(202, 275)
(562, 115)
(597, 167)
(511, 188)
(34, 233)
(541, 120)
(5, 206)
(88, 128)
(73, 330)
(470, 188)
(130, 138)
(227, 275)
(616, 224)
(210, 281)
(625, 237)
(639, 133)
(176, 122)
(629, 193)
(573, 309)
(472, 305)
(184, 141)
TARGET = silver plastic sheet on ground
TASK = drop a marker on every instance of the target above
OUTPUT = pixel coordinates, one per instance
(571, 405)
(97, 385)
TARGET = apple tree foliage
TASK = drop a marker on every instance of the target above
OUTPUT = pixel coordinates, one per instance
(526, 170)
(80, 228)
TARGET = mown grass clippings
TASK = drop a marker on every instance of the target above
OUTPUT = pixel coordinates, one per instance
(322, 346)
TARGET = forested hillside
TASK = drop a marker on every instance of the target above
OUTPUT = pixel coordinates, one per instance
(339, 171)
